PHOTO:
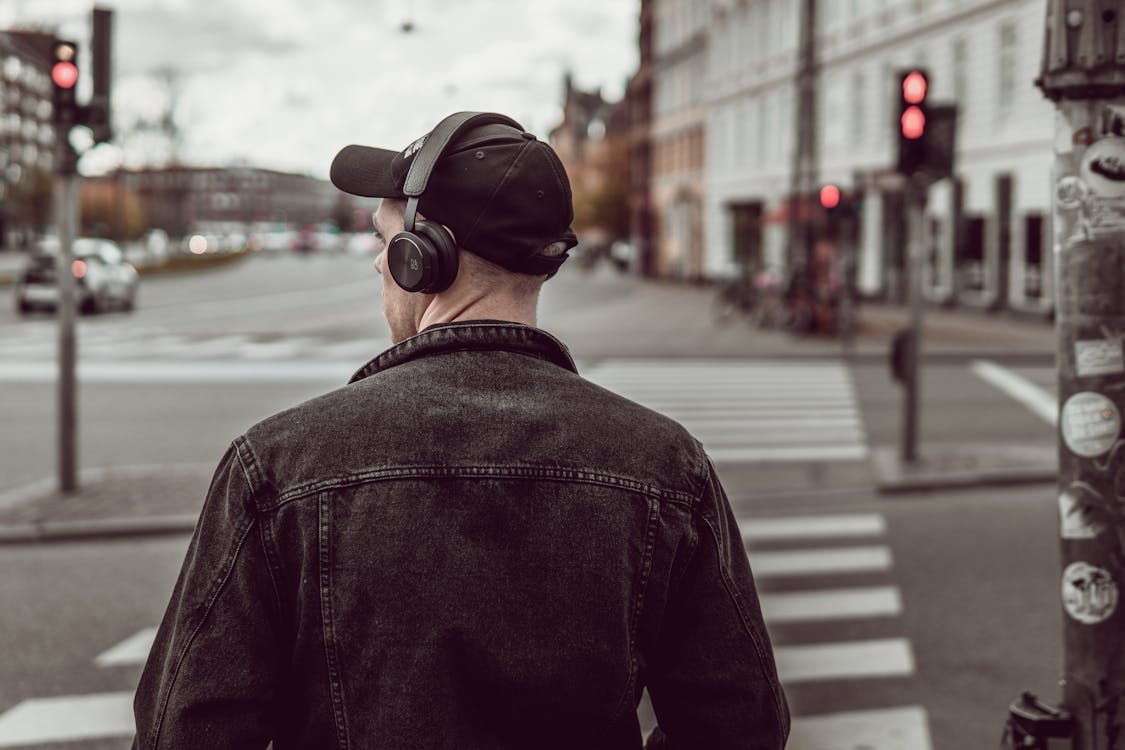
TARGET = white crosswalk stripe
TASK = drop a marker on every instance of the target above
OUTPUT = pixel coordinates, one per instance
(37, 341)
(828, 545)
(748, 410)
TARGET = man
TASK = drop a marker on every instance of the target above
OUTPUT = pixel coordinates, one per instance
(469, 546)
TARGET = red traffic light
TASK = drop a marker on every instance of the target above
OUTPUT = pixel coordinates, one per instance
(65, 75)
(914, 86)
(830, 196)
(913, 123)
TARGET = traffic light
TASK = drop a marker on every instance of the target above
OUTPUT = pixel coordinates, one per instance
(64, 77)
(912, 120)
(829, 197)
(831, 200)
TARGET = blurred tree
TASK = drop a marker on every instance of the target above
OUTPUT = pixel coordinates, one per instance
(109, 209)
(343, 214)
(601, 190)
(30, 205)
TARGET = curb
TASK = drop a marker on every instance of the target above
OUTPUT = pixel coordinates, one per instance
(96, 528)
(964, 466)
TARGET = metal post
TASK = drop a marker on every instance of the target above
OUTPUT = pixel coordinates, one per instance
(66, 218)
(1089, 229)
(802, 182)
(915, 207)
(1084, 74)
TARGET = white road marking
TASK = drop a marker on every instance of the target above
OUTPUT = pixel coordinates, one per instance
(812, 527)
(67, 718)
(830, 560)
(831, 604)
(905, 728)
(1042, 403)
(887, 657)
(212, 371)
(132, 650)
(749, 410)
(794, 453)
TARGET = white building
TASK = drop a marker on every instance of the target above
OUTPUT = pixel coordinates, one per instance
(981, 54)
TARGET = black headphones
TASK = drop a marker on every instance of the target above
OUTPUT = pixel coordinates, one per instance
(423, 256)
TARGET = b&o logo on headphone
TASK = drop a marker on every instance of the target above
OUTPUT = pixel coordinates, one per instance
(413, 264)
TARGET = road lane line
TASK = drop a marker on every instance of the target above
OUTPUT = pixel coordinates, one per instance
(831, 604)
(67, 718)
(812, 527)
(1041, 403)
(885, 657)
(776, 564)
(132, 650)
(905, 728)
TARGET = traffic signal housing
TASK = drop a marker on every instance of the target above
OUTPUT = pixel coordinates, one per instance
(64, 79)
(913, 120)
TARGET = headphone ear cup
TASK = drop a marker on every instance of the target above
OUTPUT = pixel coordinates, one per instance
(444, 258)
(410, 261)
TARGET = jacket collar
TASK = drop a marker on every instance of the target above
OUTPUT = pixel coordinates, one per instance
(472, 335)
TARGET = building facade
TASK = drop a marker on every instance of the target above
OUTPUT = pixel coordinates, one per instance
(678, 136)
(27, 133)
(988, 229)
(236, 200)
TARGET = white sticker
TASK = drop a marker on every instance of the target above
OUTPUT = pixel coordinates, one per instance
(1074, 522)
(1089, 593)
(1099, 357)
(1090, 424)
(1071, 192)
(1103, 167)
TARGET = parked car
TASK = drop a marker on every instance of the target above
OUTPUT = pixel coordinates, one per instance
(103, 279)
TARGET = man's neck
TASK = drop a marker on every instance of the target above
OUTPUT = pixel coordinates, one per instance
(444, 309)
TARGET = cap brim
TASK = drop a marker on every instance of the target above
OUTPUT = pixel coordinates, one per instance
(366, 171)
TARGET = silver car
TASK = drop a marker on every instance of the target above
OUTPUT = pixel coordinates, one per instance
(103, 280)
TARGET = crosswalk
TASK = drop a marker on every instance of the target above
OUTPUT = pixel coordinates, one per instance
(35, 341)
(749, 410)
(785, 552)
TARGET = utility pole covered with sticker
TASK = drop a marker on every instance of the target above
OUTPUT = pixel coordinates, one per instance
(1083, 73)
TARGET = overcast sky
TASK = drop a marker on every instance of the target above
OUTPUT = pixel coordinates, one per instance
(284, 84)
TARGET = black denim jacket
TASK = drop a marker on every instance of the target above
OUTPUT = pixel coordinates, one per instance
(468, 546)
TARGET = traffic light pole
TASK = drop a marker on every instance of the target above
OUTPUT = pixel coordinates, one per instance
(915, 210)
(1083, 73)
(66, 213)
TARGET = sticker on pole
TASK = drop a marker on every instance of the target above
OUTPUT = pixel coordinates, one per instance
(1099, 357)
(1089, 593)
(1075, 505)
(1103, 167)
(1090, 425)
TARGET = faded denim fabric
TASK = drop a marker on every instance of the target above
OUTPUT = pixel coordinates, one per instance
(468, 546)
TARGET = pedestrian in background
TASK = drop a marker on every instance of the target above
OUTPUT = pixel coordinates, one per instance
(469, 545)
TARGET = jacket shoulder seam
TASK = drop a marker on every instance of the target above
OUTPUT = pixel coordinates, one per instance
(724, 576)
(243, 534)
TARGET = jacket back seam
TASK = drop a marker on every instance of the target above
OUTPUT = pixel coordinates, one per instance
(474, 472)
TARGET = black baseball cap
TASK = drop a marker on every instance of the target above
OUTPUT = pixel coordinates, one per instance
(503, 192)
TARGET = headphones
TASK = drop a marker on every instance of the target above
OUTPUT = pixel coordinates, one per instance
(423, 256)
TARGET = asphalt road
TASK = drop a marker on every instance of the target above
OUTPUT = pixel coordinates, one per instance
(973, 573)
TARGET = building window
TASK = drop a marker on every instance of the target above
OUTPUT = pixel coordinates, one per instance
(1033, 255)
(970, 264)
(1006, 70)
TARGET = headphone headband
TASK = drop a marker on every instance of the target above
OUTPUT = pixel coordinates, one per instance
(438, 141)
